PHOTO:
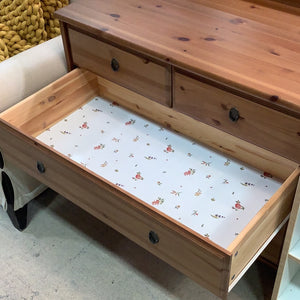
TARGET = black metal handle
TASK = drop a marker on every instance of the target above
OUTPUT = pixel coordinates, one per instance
(153, 237)
(234, 114)
(40, 166)
(115, 65)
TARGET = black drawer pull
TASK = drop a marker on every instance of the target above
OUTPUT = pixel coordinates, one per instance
(234, 114)
(40, 166)
(115, 65)
(153, 237)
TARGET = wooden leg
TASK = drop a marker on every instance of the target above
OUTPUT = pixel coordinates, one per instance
(18, 217)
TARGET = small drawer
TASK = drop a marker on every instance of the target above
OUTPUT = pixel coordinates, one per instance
(267, 128)
(143, 201)
(136, 73)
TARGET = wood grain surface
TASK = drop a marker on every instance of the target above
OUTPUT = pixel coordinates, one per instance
(253, 47)
(140, 74)
(257, 124)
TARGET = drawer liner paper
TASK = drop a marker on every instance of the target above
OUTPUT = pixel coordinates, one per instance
(213, 195)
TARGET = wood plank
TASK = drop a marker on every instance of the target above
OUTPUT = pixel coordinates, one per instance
(263, 224)
(259, 55)
(134, 72)
(67, 47)
(52, 103)
(257, 124)
(217, 139)
(182, 249)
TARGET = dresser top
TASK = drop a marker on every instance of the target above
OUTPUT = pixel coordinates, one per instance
(243, 44)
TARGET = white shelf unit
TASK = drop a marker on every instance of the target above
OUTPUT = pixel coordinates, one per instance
(287, 284)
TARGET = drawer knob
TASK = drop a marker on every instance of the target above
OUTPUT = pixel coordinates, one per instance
(153, 237)
(40, 166)
(115, 65)
(234, 114)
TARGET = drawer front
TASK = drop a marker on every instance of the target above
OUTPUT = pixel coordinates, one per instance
(196, 258)
(136, 73)
(255, 123)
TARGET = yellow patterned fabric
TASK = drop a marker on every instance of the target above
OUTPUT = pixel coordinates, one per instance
(26, 23)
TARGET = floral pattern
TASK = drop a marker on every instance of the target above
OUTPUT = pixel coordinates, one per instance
(212, 194)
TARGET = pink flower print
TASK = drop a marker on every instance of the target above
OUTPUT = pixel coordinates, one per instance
(225, 181)
(158, 201)
(99, 147)
(189, 172)
(177, 206)
(116, 140)
(84, 126)
(266, 175)
(159, 183)
(136, 138)
(195, 213)
(198, 193)
(65, 132)
(227, 163)
(238, 206)
(175, 193)
(216, 216)
(169, 149)
(208, 176)
(131, 155)
(247, 184)
(130, 122)
(207, 164)
(138, 176)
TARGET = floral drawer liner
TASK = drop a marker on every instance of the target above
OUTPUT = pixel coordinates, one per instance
(213, 195)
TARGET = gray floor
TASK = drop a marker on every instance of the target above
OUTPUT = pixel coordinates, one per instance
(67, 254)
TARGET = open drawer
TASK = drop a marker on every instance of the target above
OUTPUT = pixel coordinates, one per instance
(208, 213)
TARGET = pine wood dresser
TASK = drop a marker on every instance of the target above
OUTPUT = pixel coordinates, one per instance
(212, 88)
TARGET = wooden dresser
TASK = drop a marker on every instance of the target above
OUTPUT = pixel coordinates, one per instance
(225, 74)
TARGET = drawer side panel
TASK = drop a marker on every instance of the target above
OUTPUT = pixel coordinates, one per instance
(263, 225)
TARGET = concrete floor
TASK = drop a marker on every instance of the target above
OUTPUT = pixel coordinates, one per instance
(66, 253)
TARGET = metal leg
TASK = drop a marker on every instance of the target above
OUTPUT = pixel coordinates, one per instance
(18, 217)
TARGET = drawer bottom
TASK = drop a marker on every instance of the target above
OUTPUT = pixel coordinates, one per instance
(200, 188)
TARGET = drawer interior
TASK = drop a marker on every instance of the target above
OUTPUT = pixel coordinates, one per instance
(202, 189)
(217, 187)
